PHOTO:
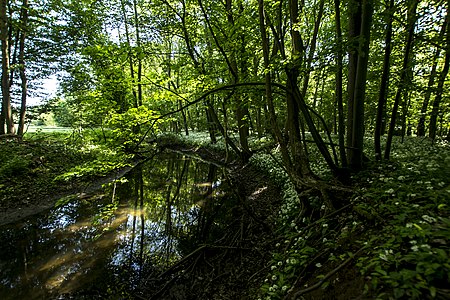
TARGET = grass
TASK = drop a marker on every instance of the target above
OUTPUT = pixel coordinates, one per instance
(45, 163)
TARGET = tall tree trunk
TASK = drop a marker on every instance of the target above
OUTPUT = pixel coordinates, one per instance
(139, 53)
(312, 48)
(23, 77)
(299, 161)
(355, 153)
(6, 118)
(130, 55)
(354, 29)
(403, 76)
(339, 76)
(442, 76)
(241, 110)
(382, 96)
(268, 87)
(428, 91)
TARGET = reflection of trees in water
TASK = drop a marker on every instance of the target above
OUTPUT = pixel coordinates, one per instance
(132, 229)
(173, 204)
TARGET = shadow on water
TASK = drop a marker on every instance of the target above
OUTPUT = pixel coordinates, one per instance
(102, 246)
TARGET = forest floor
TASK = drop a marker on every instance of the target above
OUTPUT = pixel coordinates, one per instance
(389, 239)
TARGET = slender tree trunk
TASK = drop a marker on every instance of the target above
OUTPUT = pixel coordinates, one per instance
(382, 97)
(299, 161)
(130, 55)
(23, 77)
(312, 49)
(354, 29)
(268, 88)
(442, 76)
(139, 54)
(7, 118)
(339, 76)
(431, 80)
(356, 151)
(403, 76)
(241, 106)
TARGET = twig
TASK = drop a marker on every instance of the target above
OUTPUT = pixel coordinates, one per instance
(328, 275)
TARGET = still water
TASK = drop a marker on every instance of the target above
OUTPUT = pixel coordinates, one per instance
(103, 245)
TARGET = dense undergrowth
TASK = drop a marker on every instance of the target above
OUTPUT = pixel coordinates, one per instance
(389, 241)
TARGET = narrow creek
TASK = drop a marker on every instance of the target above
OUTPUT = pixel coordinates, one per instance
(103, 245)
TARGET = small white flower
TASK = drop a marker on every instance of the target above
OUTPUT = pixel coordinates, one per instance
(273, 267)
(429, 219)
(280, 263)
(319, 265)
(325, 225)
(389, 191)
(401, 177)
(409, 225)
(383, 257)
(415, 248)
(284, 288)
(275, 287)
(324, 240)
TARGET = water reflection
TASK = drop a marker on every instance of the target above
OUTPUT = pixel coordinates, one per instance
(104, 244)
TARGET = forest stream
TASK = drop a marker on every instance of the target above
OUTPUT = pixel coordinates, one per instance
(107, 244)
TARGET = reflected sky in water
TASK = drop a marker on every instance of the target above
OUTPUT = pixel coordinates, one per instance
(101, 245)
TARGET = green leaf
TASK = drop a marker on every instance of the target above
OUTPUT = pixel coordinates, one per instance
(433, 291)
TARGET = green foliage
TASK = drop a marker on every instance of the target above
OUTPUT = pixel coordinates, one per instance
(127, 127)
(14, 166)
